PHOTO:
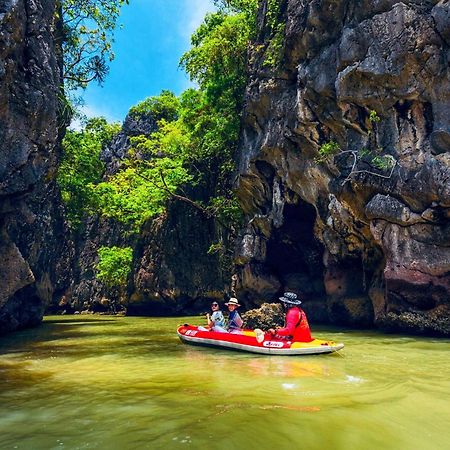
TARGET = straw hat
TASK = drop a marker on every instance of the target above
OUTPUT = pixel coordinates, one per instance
(233, 301)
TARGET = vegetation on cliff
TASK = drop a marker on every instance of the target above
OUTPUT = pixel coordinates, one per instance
(81, 168)
(114, 265)
(189, 154)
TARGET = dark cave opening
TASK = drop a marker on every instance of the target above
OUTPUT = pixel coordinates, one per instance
(294, 255)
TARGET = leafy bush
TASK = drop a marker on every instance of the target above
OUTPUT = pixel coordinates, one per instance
(81, 168)
(114, 265)
(276, 27)
(164, 106)
(326, 150)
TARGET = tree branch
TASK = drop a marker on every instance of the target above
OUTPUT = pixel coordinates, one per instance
(206, 212)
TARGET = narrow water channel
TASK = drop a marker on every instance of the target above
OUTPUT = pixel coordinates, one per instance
(128, 383)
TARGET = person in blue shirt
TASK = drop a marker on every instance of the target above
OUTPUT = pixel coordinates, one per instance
(216, 320)
(234, 320)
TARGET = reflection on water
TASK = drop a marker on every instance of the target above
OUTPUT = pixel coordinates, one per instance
(129, 383)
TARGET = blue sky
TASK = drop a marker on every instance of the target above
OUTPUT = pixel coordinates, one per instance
(155, 34)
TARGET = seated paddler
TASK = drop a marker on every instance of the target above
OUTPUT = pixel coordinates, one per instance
(296, 325)
(216, 320)
(235, 321)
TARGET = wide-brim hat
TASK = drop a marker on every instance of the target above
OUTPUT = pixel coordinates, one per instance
(291, 298)
(233, 301)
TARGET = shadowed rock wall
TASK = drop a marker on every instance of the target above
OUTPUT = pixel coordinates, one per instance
(172, 271)
(374, 249)
(32, 228)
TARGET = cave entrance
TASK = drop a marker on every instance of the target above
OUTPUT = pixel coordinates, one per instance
(294, 255)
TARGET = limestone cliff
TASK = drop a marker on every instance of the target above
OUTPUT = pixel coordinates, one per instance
(365, 246)
(32, 227)
(172, 272)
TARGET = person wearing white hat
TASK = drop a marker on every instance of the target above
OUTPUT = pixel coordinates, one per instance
(297, 327)
(234, 320)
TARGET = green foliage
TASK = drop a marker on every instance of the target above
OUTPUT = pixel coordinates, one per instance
(216, 248)
(154, 169)
(383, 162)
(248, 7)
(273, 14)
(226, 209)
(374, 117)
(80, 166)
(164, 106)
(274, 51)
(360, 158)
(276, 26)
(196, 134)
(326, 150)
(86, 37)
(66, 110)
(114, 265)
(140, 191)
(376, 159)
(217, 59)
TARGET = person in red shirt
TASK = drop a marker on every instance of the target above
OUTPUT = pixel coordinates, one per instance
(296, 327)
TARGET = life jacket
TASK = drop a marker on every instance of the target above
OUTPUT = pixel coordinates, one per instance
(302, 332)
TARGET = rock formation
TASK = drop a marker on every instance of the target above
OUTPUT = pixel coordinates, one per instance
(172, 271)
(32, 227)
(363, 243)
(364, 246)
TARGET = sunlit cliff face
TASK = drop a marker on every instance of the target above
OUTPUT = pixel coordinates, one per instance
(367, 246)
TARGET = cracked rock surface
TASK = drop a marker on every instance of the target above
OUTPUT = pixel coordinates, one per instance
(364, 246)
(32, 229)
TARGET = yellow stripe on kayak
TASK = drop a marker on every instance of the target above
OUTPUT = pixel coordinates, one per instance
(249, 333)
(314, 343)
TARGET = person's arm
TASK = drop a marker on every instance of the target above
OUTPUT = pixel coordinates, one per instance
(238, 320)
(292, 319)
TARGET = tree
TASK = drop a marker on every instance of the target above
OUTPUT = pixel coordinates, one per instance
(217, 59)
(195, 137)
(85, 37)
(81, 167)
(114, 265)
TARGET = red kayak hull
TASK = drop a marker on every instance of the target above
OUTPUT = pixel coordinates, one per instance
(246, 341)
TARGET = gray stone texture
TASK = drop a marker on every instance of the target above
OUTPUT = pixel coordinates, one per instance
(32, 228)
(381, 243)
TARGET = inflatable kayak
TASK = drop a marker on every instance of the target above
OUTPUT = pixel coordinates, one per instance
(247, 341)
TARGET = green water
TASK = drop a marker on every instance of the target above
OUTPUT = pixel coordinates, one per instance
(129, 383)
